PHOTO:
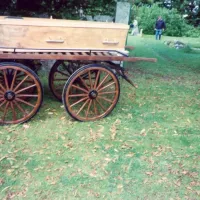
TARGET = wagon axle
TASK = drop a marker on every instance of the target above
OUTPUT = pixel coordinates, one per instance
(9, 95)
(93, 94)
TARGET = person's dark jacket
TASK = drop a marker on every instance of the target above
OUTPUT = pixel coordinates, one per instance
(160, 24)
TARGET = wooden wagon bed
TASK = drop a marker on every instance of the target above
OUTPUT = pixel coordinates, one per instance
(90, 55)
(85, 75)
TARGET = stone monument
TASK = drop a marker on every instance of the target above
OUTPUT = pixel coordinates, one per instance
(123, 12)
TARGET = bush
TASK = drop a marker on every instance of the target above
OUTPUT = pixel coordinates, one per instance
(176, 25)
(191, 31)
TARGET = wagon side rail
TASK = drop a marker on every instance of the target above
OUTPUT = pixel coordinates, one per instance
(67, 54)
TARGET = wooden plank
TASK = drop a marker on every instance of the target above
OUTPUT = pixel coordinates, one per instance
(73, 57)
(97, 53)
(84, 54)
(6, 49)
(48, 50)
(105, 54)
(129, 47)
(27, 21)
(135, 59)
(75, 54)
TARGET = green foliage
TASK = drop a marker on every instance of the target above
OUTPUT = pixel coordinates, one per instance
(190, 31)
(58, 8)
(176, 25)
(184, 7)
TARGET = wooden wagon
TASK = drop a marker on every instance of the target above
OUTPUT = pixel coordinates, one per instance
(84, 76)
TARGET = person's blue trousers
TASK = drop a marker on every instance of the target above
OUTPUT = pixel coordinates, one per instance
(158, 34)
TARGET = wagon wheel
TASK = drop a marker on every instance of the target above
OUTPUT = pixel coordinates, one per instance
(91, 92)
(59, 74)
(17, 104)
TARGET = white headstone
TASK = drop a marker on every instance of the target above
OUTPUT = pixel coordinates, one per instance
(123, 12)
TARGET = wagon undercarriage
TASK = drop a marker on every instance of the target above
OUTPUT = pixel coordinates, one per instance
(86, 81)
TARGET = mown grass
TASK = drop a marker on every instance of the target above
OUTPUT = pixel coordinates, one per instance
(148, 148)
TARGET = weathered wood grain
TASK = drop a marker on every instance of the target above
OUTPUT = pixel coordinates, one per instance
(61, 34)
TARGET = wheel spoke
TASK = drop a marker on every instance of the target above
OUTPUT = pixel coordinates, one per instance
(13, 80)
(102, 93)
(100, 105)
(31, 86)
(89, 106)
(104, 79)
(106, 86)
(5, 111)
(27, 81)
(6, 80)
(2, 105)
(20, 83)
(59, 87)
(83, 82)
(25, 102)
(107, 82)
(62, 73)
(89, 74)
(13, 111)
(60, 79)
(20, 108)
(26, 95)
(83, 106)
(2, 89)
(79, 88)
(81, 100)
(97, 78)
(105, 99)
(19, 76)
(95, 108)
(78, 95)
(67, 68)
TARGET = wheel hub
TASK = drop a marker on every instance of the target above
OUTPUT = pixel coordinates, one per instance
(93, 94)
(9, 96)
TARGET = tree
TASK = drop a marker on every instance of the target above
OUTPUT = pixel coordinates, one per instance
(187, 8)
(58, 8)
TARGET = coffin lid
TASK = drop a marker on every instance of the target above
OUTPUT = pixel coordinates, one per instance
(26, 21)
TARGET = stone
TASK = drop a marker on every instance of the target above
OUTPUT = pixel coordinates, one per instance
(123, 12)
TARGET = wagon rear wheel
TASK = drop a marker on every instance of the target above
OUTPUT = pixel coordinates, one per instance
(59, 74)
(21, 93)
(91, 92)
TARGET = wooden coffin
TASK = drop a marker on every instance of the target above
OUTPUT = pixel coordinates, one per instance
(53, 34)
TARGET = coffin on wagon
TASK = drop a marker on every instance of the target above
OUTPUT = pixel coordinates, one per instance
(84, 76)
(29, 33)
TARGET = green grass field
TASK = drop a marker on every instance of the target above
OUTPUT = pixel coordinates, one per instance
(147, 148)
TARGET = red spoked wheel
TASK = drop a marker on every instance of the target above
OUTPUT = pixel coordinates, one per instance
(21, 93)
(91, 92)
(59, 74)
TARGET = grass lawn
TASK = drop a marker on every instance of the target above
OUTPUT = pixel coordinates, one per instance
(147, 148)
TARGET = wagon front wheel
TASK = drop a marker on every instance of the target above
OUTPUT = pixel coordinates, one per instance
(21, 93)
(91, 92)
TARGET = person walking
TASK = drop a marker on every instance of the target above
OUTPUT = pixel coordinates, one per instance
(159, 27)
(135, 30)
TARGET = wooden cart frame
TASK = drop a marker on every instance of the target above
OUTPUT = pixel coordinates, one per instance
(85, 80)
